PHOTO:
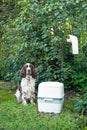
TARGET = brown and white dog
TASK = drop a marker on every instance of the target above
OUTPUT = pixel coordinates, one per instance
(26, 90)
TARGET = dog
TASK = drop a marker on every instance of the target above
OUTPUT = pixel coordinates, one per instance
(26, 90)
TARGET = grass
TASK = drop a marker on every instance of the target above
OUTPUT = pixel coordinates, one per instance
(14, 116)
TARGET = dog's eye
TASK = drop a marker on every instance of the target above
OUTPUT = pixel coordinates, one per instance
(26, 66)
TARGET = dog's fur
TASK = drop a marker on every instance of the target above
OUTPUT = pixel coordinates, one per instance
(26, 90)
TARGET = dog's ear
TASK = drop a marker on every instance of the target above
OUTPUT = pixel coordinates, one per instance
(33, 71)
(23, 72)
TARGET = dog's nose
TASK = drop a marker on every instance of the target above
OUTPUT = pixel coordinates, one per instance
(28, 71)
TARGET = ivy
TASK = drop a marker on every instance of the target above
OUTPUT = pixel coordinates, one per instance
(37, 33)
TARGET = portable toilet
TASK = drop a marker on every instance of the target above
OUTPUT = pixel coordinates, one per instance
(50, 97)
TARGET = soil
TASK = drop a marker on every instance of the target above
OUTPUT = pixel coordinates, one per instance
(69, 94)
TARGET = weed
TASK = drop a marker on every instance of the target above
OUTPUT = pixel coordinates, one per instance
(14, 116)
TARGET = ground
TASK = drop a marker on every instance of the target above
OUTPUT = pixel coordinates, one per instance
(14, 116)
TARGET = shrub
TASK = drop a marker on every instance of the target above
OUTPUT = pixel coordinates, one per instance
(38, 34)
(81, 104)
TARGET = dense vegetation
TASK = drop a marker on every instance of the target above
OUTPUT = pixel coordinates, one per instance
(36, 31)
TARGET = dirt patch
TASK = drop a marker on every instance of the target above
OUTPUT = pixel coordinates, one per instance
(69, 94)
(7, 85)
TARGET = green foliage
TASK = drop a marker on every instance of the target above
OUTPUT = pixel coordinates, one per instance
(37, 33)
(81, 103)
(18, 117)
(69, 104)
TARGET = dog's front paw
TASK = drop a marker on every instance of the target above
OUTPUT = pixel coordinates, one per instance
(24, 103)
(32, 101)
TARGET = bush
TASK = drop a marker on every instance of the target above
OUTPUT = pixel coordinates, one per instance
(38, 34)
(81, 104)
